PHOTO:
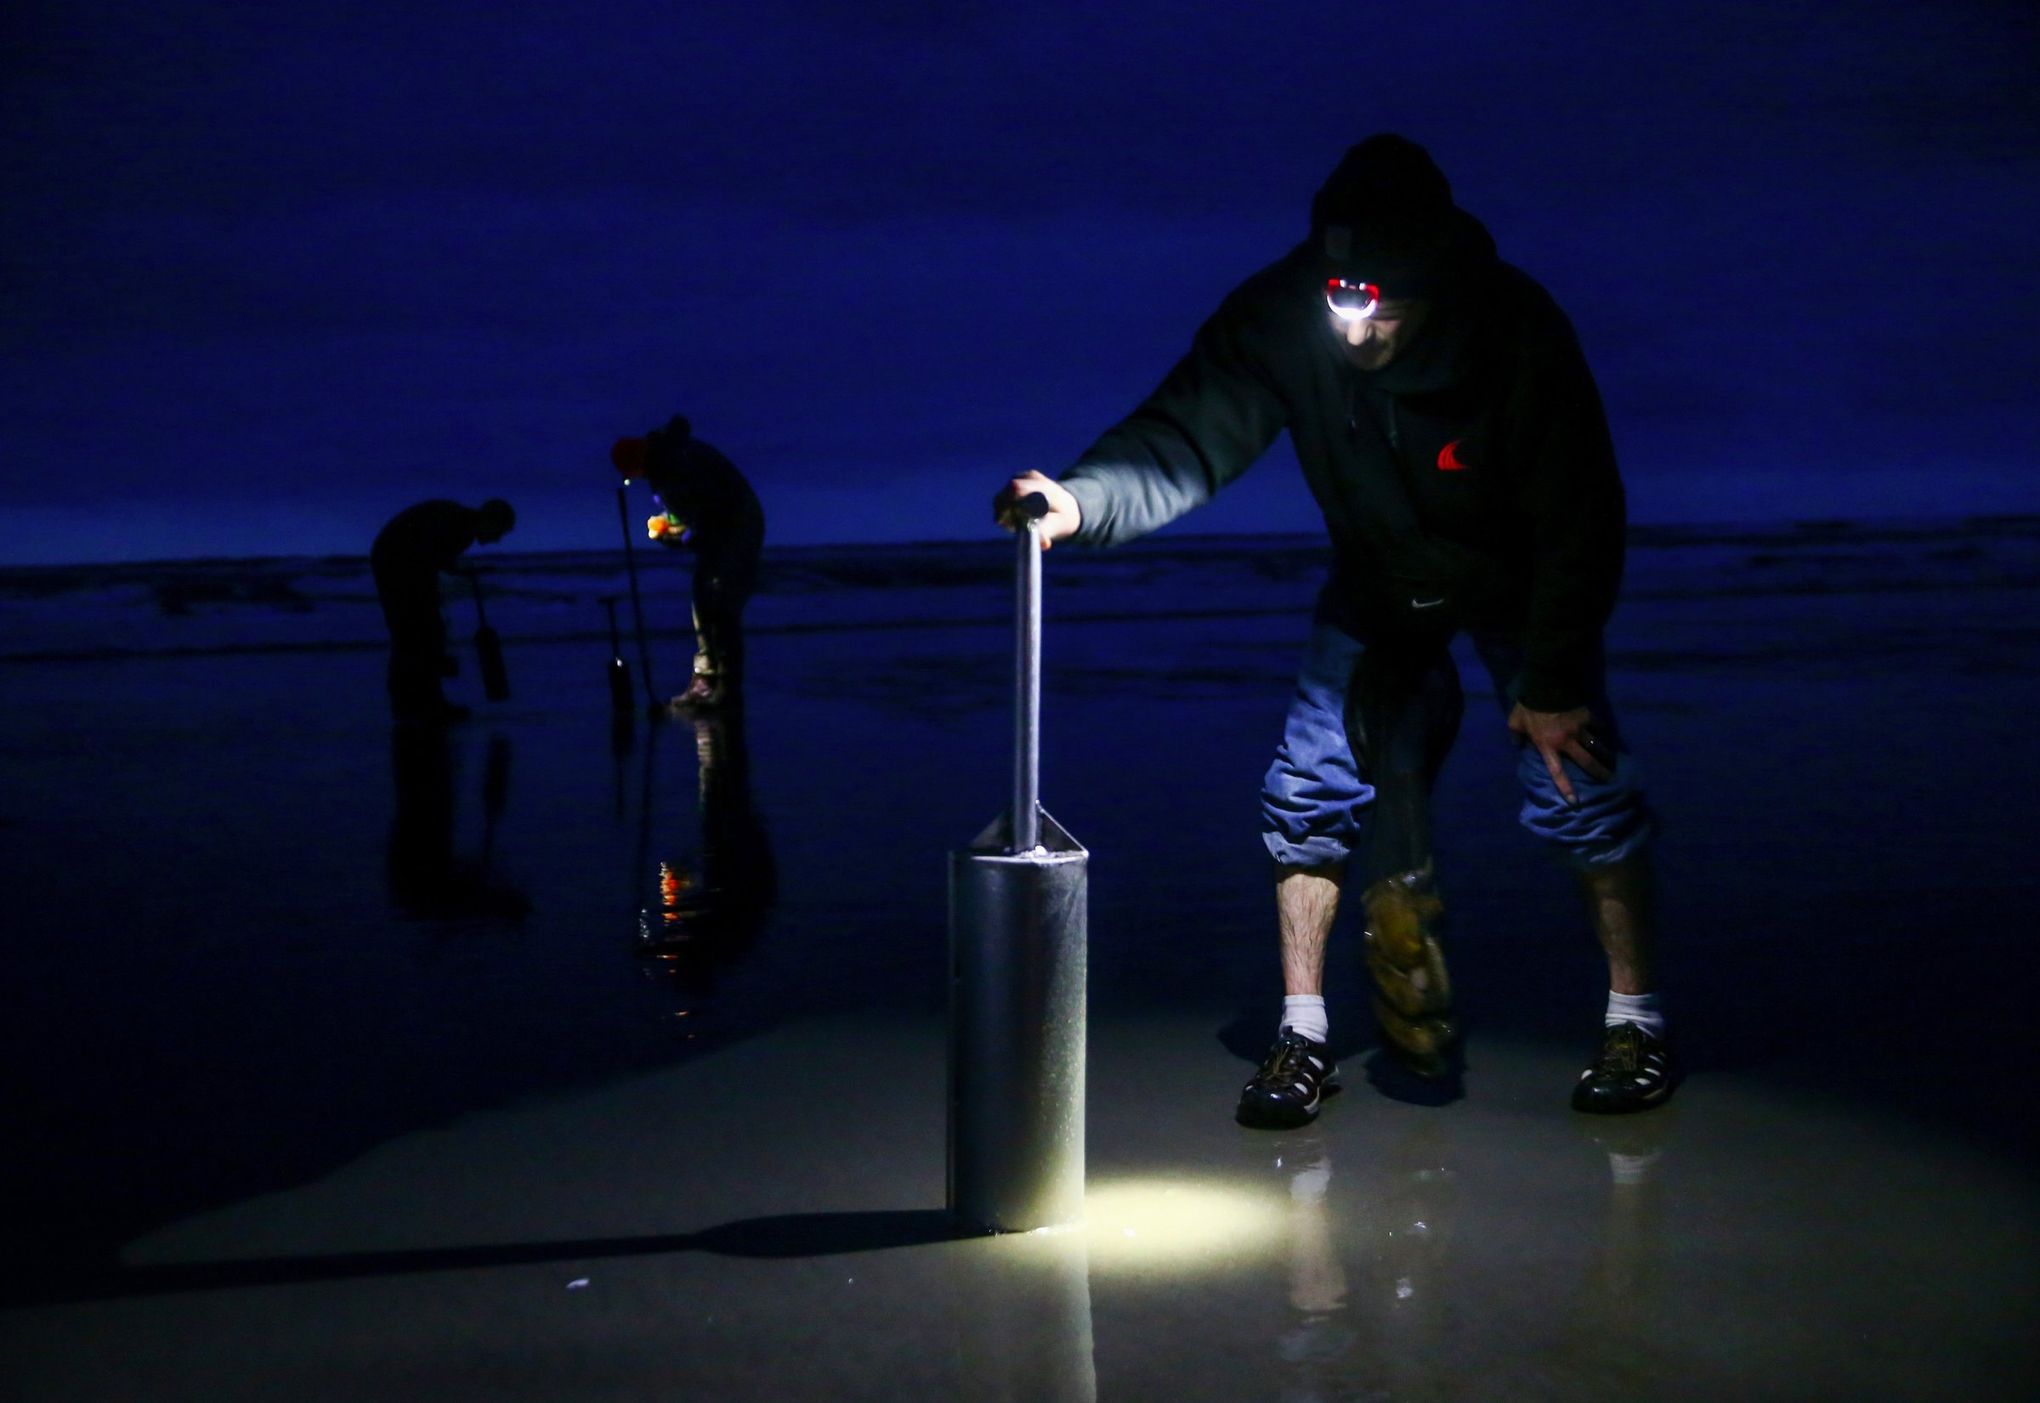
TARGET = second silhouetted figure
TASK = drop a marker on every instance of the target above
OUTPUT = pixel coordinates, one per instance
(707, 506)
(413, 549)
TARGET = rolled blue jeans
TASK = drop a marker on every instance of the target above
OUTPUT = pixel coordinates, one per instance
(1315, 797)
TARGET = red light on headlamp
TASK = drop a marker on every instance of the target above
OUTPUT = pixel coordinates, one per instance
(1351, 301)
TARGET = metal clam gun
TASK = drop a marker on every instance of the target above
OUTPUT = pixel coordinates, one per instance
(1017, 902)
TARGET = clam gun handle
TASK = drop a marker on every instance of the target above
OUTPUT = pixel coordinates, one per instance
(1025, 829)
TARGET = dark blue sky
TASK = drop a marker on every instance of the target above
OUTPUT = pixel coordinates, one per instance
(271, 272)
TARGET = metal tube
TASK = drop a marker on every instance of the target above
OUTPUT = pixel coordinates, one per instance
(1026, 812)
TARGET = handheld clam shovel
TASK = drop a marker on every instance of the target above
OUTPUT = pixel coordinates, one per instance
(620, 698)
(489, 650)
(637, 608)
(1017, 903)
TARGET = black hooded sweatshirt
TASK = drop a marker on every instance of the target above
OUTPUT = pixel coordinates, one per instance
(701, 487)
(425, 538)
(1470, 482)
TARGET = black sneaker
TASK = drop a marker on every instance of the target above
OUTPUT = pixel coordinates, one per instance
(1633, 1072)
(1286, 1091)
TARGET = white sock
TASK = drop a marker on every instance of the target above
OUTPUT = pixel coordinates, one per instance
(1640, 1009)
(1305, 1014)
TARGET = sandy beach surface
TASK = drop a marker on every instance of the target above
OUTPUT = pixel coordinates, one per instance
(335, 1069)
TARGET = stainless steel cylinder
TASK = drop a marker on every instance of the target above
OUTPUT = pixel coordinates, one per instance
(1017, 940)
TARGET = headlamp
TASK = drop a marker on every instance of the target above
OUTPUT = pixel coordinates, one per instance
(1351, 301)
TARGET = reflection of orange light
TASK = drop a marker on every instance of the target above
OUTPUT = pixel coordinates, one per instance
(672, 882)
(657, 944)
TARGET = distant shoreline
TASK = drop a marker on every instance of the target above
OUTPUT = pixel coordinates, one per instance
(1644, 535)
(284, 605)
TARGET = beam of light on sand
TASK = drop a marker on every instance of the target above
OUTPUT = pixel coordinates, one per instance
(1174, 1221)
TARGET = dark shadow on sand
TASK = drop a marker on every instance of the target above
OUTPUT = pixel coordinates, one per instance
(787, 1235)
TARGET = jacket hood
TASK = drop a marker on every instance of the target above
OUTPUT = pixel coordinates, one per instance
(1385, 215)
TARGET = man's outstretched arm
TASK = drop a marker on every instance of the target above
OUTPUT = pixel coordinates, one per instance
(1214, 413)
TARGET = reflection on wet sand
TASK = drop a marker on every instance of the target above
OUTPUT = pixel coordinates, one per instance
(1370, 1271)
(705, 915)
(427, 878)
(1386, 1311)
(1607, 1344)
(1024, 1332)
(1319, 1339)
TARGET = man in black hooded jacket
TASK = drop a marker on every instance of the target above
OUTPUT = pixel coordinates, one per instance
(1451, 433)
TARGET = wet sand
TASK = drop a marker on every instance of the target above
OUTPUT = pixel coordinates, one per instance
(335, 1071)
(662, 1237)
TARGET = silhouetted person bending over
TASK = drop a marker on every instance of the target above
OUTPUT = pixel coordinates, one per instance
(417, 545)
(708, 506)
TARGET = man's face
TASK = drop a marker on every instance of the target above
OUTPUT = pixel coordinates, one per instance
(1372, 342)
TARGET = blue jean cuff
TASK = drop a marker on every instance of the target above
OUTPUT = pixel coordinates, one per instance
(1315, 851)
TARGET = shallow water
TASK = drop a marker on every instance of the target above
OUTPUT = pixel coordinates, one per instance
(266, 952)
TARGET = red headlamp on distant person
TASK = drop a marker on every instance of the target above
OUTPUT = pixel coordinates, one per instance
(628, 454)
(1352, 301)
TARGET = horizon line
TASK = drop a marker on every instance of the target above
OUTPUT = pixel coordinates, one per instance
(1635, 531)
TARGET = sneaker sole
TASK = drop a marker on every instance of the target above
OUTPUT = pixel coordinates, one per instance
(1639, 1103)
(1256, 1117)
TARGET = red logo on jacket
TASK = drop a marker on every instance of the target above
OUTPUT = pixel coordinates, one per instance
(1448, 458)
